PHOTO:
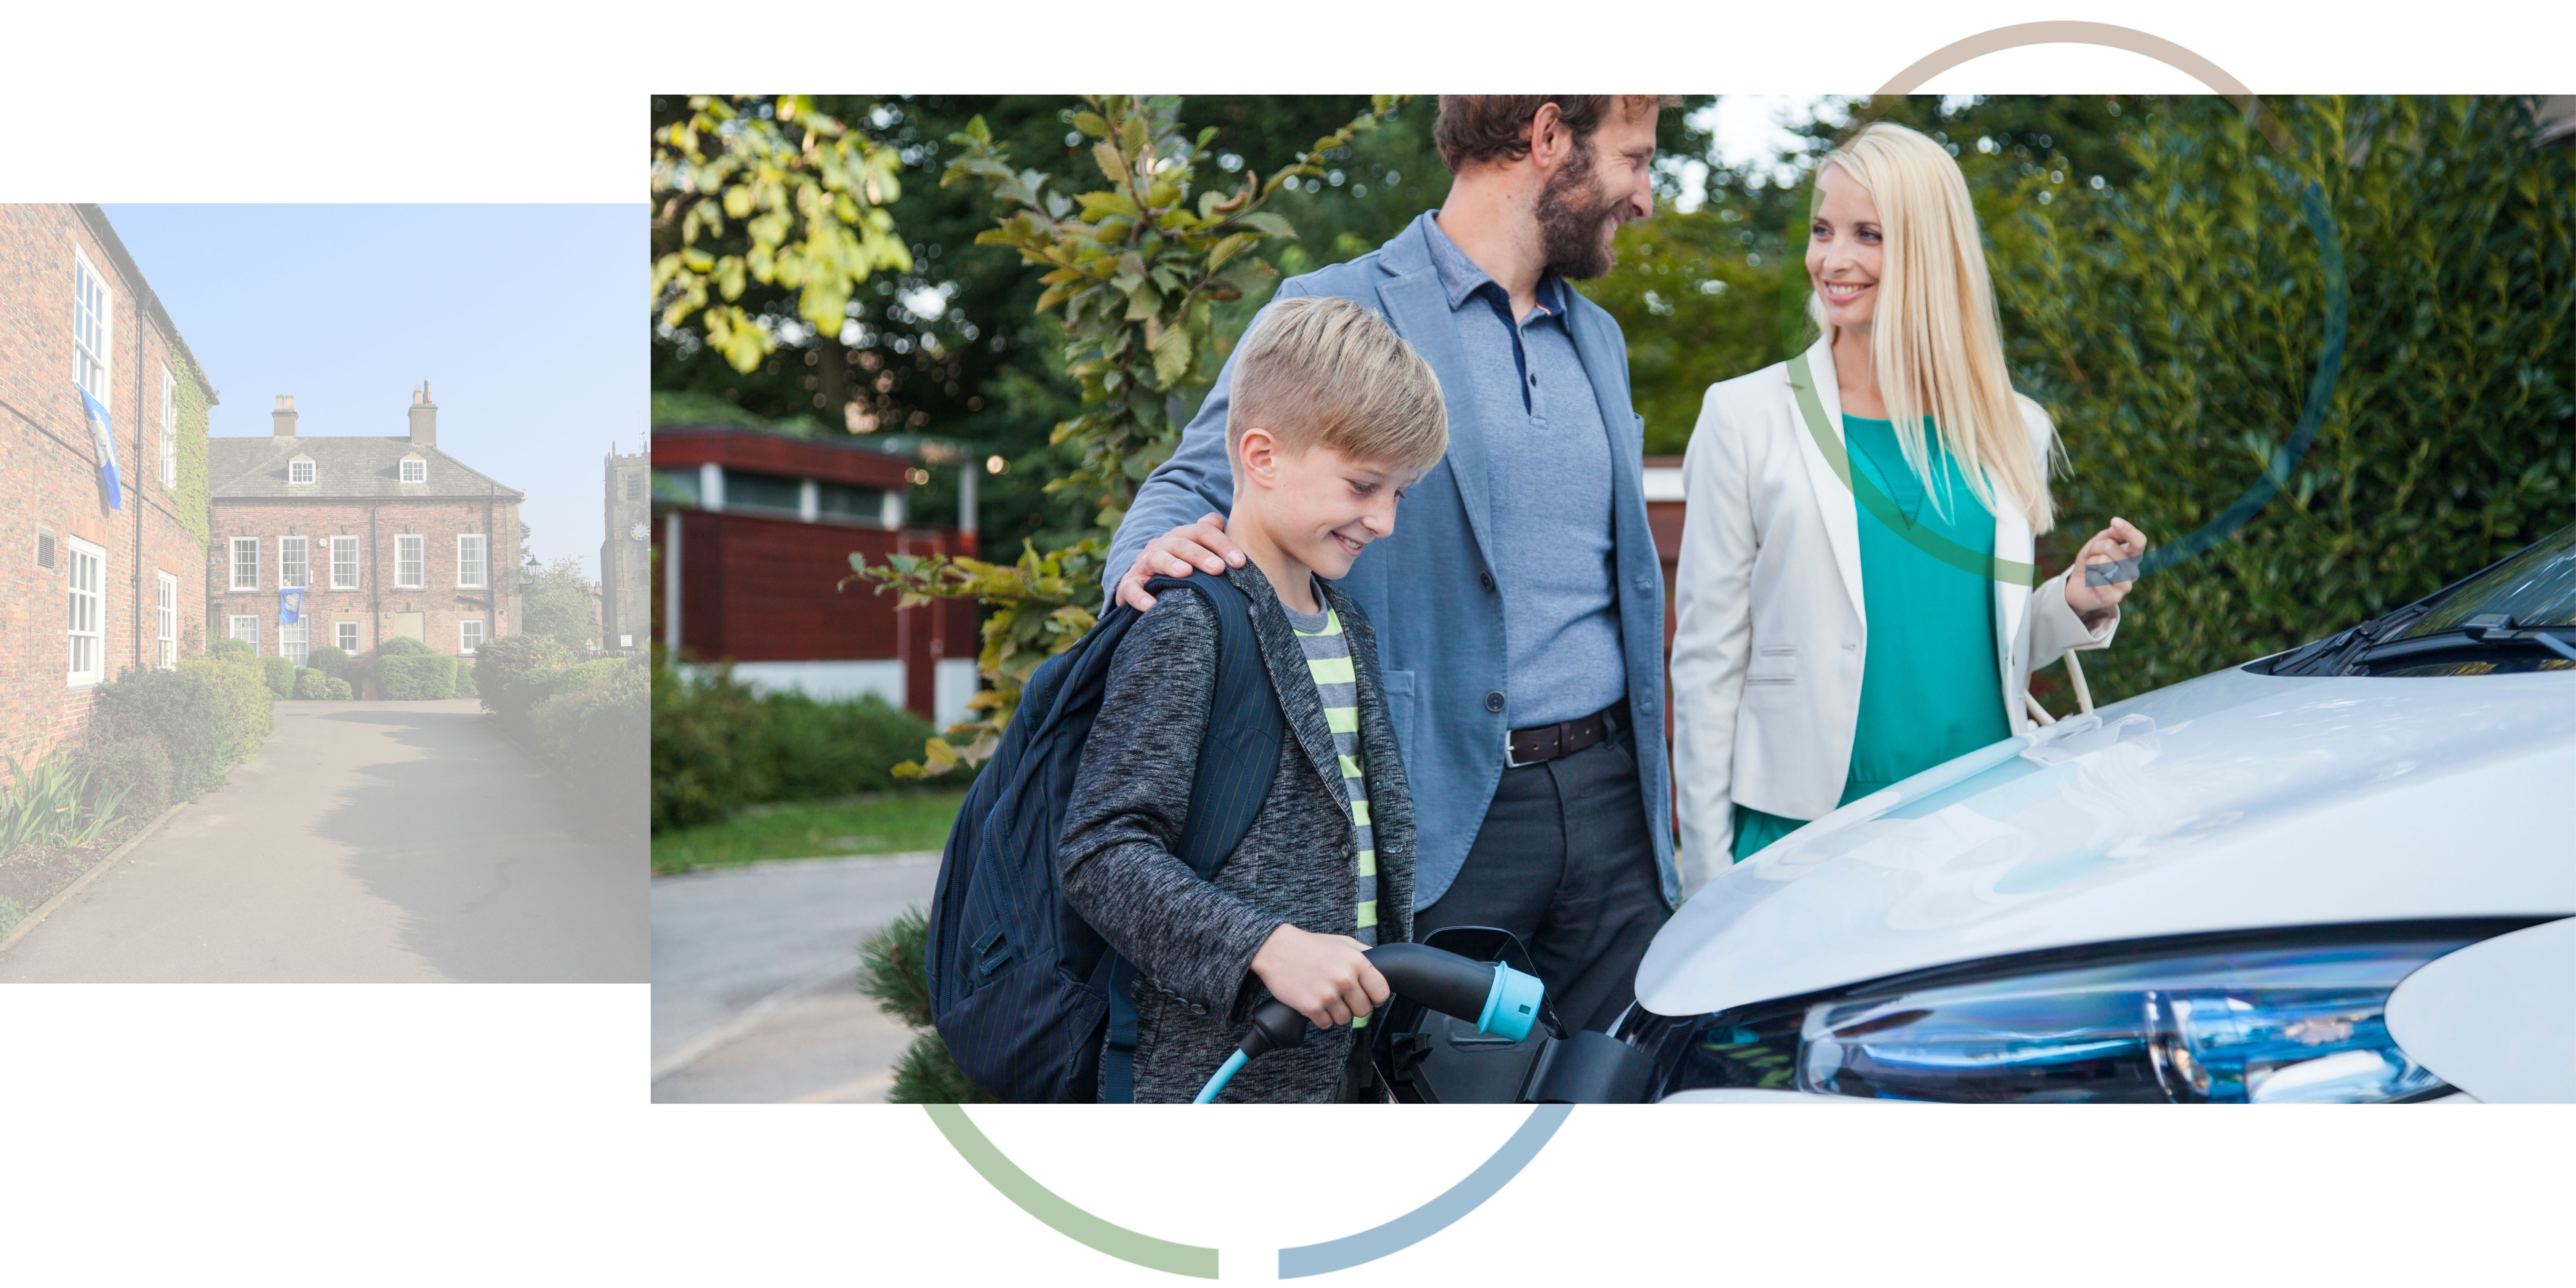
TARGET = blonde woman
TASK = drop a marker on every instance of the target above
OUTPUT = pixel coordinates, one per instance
(1825, 648)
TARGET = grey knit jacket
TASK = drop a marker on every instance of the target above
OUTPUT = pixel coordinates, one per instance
(1192, 941)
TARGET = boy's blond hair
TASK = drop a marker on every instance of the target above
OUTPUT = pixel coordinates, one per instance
(1319, 369)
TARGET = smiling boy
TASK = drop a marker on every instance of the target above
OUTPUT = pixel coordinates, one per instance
(1332, 416)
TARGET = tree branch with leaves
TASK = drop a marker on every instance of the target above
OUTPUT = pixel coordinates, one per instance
(767, 189)
(1136, 269)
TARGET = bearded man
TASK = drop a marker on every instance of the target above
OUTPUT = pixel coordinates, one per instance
(1519, 604)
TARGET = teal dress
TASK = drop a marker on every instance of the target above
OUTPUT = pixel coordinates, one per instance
(1928, 689)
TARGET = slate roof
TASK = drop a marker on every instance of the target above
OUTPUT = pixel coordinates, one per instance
(240, 466)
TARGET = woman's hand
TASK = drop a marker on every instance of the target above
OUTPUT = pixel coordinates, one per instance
(2121, 540)
(1327, 978)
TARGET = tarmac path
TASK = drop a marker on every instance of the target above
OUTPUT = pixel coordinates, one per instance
(755, 980)
(367, 842)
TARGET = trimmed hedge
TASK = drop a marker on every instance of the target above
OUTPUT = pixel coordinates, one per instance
(233, 649)
(416, 676)
(704, 758)
(338, 690)
(250, 699)
(332, 662)
(504, 662)
(466, 684)
(207, 716)
(310, 683)
(718, 745)
(140, 767)
(403, 646)
(2173, 326)
(595, 726)
(279, 674)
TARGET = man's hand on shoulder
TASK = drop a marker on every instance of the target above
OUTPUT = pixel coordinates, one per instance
(1194, 547)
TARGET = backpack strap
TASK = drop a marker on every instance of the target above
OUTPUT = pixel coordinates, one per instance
(1238, 756)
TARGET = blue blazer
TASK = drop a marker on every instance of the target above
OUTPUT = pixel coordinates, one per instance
(1439, 631)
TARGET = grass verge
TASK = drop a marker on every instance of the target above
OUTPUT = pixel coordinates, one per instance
(891, 823)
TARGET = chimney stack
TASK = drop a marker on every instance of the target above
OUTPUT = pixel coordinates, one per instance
(424, 418)
(283, 419)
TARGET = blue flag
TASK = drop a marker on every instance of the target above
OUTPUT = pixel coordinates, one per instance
(290, 608)
(106, 441)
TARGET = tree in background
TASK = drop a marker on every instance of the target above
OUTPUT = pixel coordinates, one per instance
(953, 346)
(1137, 270)
(556, 601)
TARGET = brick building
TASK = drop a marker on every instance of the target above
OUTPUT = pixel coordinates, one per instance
(95, 579)
(754, 531)
(626, 558)
(386, 536)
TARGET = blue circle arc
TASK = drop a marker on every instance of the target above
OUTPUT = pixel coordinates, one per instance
(1438, 1214)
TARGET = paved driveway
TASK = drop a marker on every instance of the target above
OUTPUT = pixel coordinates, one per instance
(367, 842)
(755, 980)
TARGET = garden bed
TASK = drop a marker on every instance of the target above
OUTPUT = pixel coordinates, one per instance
(28, 880)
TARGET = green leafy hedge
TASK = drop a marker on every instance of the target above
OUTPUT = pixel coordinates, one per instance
(416, 676)
(595, 727)
(280, 675)
(718, 745)
(507, 660)
(135, 769)
(204, 717)
(2173, 326)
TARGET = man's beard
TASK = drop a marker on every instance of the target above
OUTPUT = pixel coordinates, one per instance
(1570, 214)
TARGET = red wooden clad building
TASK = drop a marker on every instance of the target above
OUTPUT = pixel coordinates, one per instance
(752, 532)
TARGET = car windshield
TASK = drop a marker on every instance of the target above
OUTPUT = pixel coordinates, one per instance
(2534, 588)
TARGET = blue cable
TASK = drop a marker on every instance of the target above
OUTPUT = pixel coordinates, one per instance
(1224, 1074)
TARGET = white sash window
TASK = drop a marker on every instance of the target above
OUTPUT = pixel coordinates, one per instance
(88, 613)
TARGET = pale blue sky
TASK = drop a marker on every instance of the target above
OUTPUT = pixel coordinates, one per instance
(528, 322)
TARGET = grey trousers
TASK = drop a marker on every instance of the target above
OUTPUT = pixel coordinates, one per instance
(1565, 863)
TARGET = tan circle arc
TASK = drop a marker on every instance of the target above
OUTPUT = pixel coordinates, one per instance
(2107, 35)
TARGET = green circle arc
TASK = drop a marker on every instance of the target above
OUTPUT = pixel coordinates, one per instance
(1105, 1236)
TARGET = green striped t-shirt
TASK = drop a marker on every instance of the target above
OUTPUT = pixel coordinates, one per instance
(1328, 661)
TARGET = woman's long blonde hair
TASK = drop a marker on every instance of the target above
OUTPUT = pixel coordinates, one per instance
(1934, 336)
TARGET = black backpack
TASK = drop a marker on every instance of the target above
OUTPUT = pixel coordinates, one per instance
(1021, 987)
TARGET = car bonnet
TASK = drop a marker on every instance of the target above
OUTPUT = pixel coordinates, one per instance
(2234, 801)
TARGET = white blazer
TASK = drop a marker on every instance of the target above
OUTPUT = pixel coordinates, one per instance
(1771, 637)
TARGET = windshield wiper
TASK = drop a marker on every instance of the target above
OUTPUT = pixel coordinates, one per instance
(2484, 631)
(2329, 655)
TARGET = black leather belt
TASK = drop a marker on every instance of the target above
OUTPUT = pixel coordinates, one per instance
(1549, 741)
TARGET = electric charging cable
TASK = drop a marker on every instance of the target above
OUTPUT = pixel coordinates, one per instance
(1498, 999)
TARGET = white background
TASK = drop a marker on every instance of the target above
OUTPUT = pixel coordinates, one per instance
(492, 1134)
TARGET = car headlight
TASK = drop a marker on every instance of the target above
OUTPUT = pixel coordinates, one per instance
(2277, 1017)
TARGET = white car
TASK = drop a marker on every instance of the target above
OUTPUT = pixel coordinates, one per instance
(2342, 873)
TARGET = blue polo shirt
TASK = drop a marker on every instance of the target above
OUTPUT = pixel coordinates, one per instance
(1548, 477)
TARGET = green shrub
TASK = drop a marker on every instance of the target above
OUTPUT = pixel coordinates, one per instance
(310, 683)
(138, 770)
(718, 746)
(416, 676)
(186, 713)
(504, 662)
(279, 674)
(816, 750)
(2173, 325)
(403, 646)
(465, 681)
(338, 690)
(596, 728)
(247, 693)
(232, 649)
(330, 661)
(704, 762)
